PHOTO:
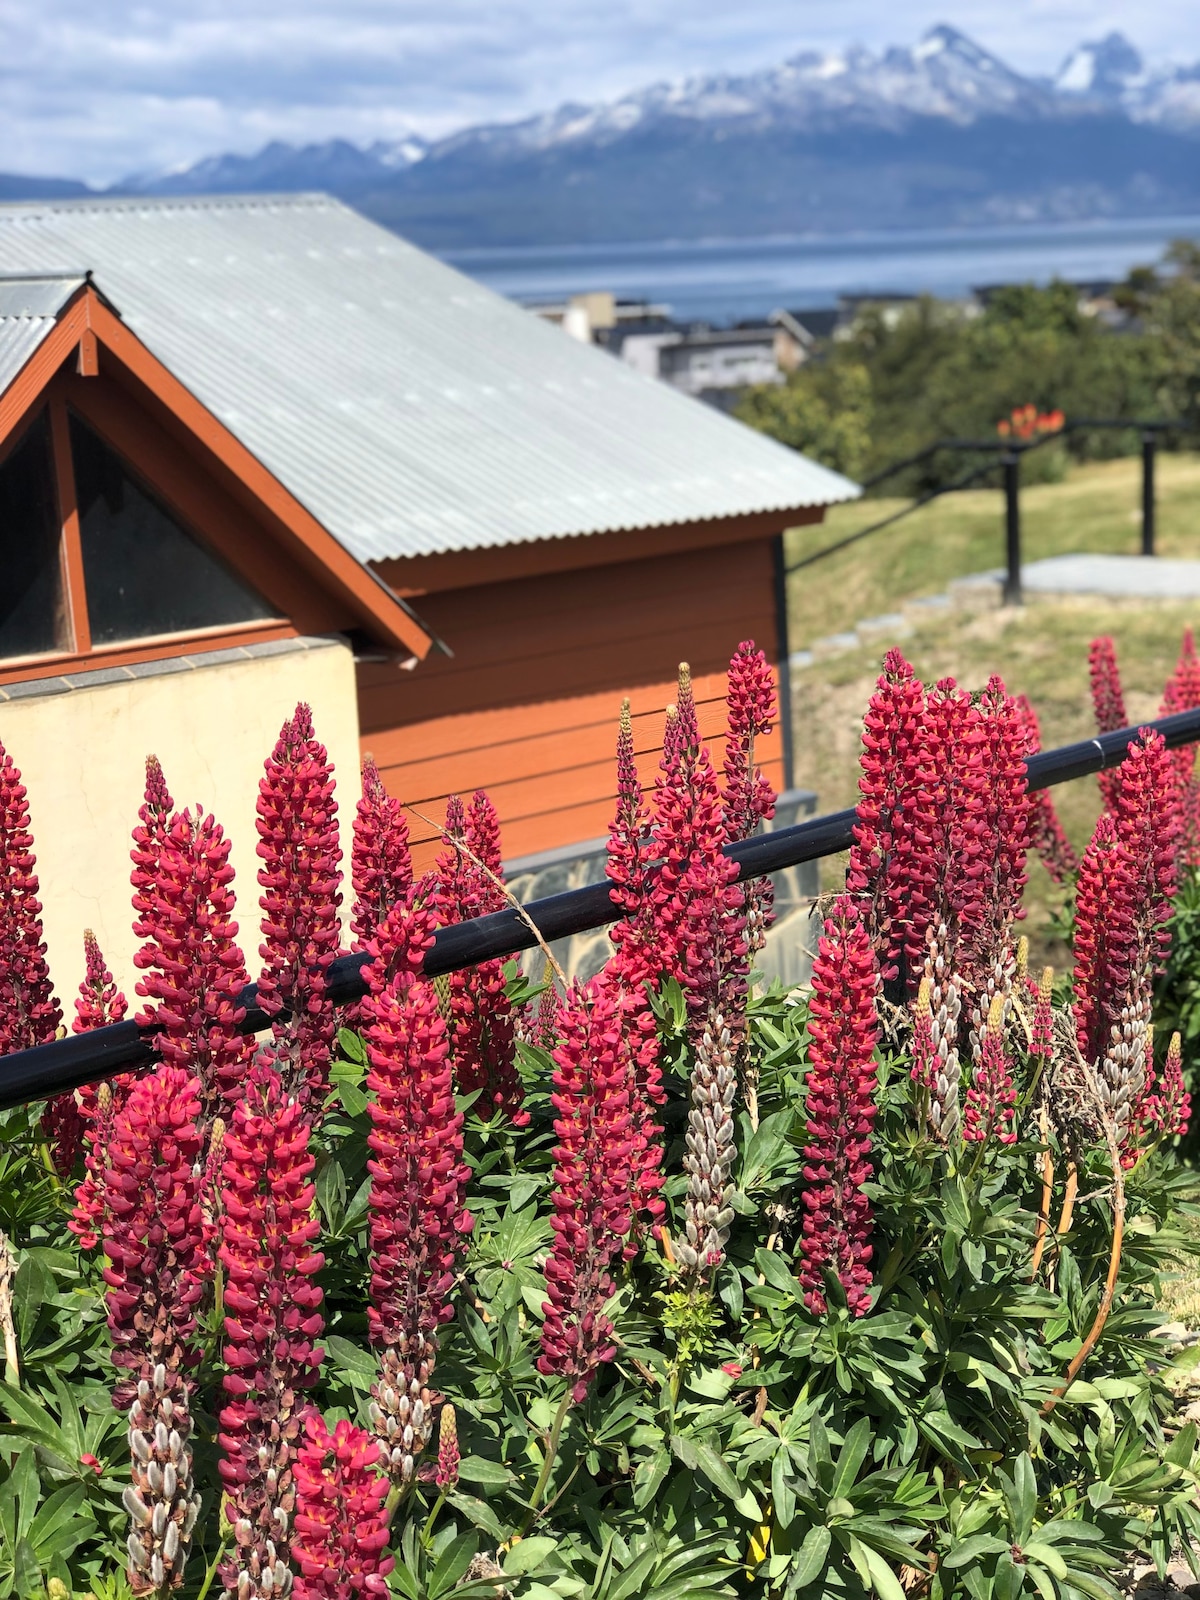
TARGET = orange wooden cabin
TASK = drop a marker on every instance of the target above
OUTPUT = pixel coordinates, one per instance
(325, 432)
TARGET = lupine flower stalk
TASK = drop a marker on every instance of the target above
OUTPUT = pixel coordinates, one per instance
(381, 862)
(149, 836)
(1041, 1033)
(840, 1112)
(341, 1526)
(1106, 945)
(638, 963)
(700, 910)
(418, 1222)
(272, 1316)
(300, 878)
(99, 1003)
(992, 1097)
(194, 968)
(940, 840)
(945, 1004)
(748, 799)
(155, 1278)
(1046, 835)
(1182, 693)
(482, 1027)
(634, 973)
(592, 1188)
(1175, 1103)
(887, 776)
(29, 1013)
(446, 1472)
(1148, 822)
(1004, 809)
(1122, 907)
(923, 1048)
(1108, 702)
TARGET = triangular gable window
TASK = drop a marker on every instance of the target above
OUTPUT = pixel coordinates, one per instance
(143, 573)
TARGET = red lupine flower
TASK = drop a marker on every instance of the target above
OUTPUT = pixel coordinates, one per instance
(699, 911)
(446, 1475)
(149, 835)
(1146, 811)
(381, 863)
(888, 767)
(1182, 693)
(341, 1527)
(272, 1316)
(155, 1277)
(988, 962)
(634, 973)
(482, 835)
(482, 1026)
(194, 968)
(592, 1188)
(1041, 1033)
(300, 878)
(1105, 936)
(991, 1098)
(694, 889)
(1113, 965)
(29, 1013)
(1108, 702)
(941, 847)
(88, 1460)
(1046, 834)
(638, 964)
(100, 1002)
(748, 798)
(840, 1111)
(418, 1222)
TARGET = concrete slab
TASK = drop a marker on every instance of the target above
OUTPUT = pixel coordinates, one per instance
(891, 625)
(1125, 577)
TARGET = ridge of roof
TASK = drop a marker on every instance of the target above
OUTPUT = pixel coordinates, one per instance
(269, 200)
(408, 408)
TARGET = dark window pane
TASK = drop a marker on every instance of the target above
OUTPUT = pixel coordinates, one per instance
(144, 574)
(33, 616)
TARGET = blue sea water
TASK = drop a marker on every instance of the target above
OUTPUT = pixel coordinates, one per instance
(722, 280)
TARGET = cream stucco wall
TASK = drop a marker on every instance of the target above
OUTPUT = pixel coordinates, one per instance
(211, 721)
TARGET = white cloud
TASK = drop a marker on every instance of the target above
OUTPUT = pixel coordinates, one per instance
(99, 90)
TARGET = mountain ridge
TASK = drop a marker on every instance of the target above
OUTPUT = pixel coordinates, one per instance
(942, 132)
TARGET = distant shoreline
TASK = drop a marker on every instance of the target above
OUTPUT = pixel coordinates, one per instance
(723, 280)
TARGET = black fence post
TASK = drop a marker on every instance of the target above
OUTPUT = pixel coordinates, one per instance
(1149, 443)
(1012, 527)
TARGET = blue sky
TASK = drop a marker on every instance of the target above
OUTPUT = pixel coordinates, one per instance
(100, 88)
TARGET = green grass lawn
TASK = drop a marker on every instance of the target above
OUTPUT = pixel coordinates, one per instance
(1096, 508)
(1040, 650)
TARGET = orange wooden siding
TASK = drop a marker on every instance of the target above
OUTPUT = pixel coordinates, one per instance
(527, 708)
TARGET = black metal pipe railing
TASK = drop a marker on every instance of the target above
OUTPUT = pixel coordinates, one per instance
(51, 1069)
(1006, 454)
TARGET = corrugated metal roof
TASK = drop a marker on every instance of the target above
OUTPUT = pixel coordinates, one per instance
(408, 408)
(29, 305)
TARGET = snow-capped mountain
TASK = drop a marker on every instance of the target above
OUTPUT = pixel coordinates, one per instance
(946, 76)
(337, 165)
(940, 133)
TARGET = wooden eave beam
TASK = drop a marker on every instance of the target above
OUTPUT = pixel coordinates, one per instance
(469, 569)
